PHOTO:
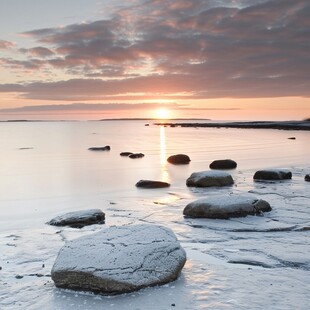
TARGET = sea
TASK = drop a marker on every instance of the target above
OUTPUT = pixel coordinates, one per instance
(255, 262)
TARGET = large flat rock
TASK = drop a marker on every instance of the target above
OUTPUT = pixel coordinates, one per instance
(226, 206)
(209, 178)
(119, 259)
(79, 219)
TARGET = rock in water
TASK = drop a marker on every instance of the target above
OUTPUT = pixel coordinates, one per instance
(152, 184)
(79, 219)
(272, 174)
(125, 153)
(307, 177)
(119, 259)
(209, 178)
(179, 159)
(100, 148)
(223, 164)
(136, 155)
(224, 207)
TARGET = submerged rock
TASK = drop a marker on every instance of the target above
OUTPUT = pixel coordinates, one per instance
(119, 260)
(79, 219)
(100, 148)
(223, 164)
(209, 178)
(307, 177)
(179, 159)
(136, 155)
(226, 206)
(273, 174)
(152, 184)
(125, 153)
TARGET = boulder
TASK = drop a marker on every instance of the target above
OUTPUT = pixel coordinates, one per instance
(125, 154)
(272, 174)
(224, 207)
(79, 219)
(209, 178)
(307, 177)
(119, 259)
(152, 184)
(136, 155)
(100, 148)
(223, 164)
(179, 159)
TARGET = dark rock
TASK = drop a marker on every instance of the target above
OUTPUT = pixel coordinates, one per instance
(79, 219)
(147, 125)
(209, 178)
(223, 164)
(136, 155)
(226, 206)
(179, 159)
(292, 138)
(272, 174)
(152, 184)
(119, 259)
(100, 148)
(307, 177)
(126, 154)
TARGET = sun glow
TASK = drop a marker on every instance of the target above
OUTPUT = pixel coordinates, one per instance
(162, 113)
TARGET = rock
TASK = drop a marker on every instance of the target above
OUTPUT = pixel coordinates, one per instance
(209, 178)
(136, 155)
(79, 219)
(152, 184)
(223, 164)
(119, 259)
(292, 138)
(147, 125)
(272, 174)
(307, 177)
(226, 206)
(100, 148)
(125, 153)
(179, 159)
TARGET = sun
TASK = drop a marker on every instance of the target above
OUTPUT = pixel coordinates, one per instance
(162, 113)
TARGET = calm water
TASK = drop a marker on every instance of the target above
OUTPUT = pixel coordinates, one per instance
(57, 173)
(257, 262)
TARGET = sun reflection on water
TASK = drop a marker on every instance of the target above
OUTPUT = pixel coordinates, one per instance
(163, 155)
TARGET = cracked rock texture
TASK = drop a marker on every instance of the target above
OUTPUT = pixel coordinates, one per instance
(209, 178)
(79, 219)
(119, 259)
(224, 207)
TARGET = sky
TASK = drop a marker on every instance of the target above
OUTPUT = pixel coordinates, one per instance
(94, 59)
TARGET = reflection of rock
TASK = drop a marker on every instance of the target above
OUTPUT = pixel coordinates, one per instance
(79, 219)
(223, 207)
(136, 155)
(100, 148)
(209, 178)
(272, 174)
(223, 164)
(307, 177)
(179, 159)
(152, 184)
(125, 153)
(119, 260)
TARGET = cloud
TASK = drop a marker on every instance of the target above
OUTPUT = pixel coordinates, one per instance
(4, 45)
(181, 49)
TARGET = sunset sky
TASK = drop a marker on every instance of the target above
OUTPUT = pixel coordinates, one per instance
(93, 59)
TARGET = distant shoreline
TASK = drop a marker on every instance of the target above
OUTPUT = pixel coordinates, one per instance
(281, 125)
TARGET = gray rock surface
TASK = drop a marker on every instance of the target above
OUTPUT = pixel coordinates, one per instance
(79, 219)
(152, 184)
(179, 159)
(209, 178)
(100, 148)
(224, 207)
(223, 164)
(272, 174)
(119, 259)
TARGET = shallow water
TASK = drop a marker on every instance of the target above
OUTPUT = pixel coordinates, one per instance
(247, 263)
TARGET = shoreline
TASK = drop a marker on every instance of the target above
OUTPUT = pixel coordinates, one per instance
(281, 125)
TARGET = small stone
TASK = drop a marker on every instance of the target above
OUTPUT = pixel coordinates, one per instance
(100, 148)
(125, 153)
(223, 164)
(209, 178)
(136, 155)
(152, 184)
(19, 277)
(179, 159)
(292, 138)
(307, 177)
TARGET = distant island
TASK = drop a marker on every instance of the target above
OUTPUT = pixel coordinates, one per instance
(283, 125)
